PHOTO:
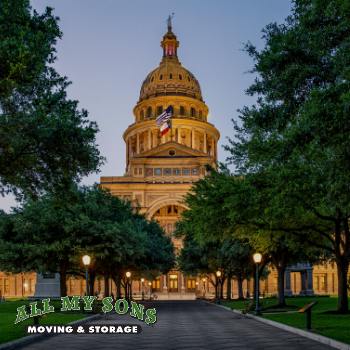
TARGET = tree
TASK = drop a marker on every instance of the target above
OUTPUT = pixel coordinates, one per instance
(45, 141)
(296, 138)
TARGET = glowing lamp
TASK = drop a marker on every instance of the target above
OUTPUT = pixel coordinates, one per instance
(218, 273)
(86, 260)
(128, 274)
(257, 258)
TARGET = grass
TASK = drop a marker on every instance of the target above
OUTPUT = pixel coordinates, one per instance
(8, 312)
(332, 326)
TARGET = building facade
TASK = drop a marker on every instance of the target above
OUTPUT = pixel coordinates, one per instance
(160, 170)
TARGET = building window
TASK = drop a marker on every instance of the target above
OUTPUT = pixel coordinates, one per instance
(176, 209)
(26, 286)
(167, 171)
(72, 286)
(160, 110)
(180, 76)
(156, 284)
(192, 112)
(182, 110)
(275, 284)
(189, 80)
(152, 79)
(171, 76)
(169, 209)
(173, 283)
(161, 77)
(141, 115)
(83, 287)
(140, 171)
(185, 171)
(317, 283)
(32, 285)
(149, 112)
(135, 171)
(323, 285)
(200, 115)
(191, 285)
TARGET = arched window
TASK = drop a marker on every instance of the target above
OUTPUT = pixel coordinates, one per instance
(161, 77)
(141, 115)
(182, 110)
(180, 76)
(188, 78)
(171, 76)
(192, 112)
(160, 110)
(149, 112)
(200, 115)
(152, 80)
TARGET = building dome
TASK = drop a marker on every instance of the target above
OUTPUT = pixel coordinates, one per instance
(170, 78)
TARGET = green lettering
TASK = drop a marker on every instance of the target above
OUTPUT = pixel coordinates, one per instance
(151, 313)
(125, 306)
(88, 302)
(107, 302)
(68, 305)
(136, 312)
(21, 314)
(47, 307)
(33, 310)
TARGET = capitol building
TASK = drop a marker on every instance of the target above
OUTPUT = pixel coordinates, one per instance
(160, 170)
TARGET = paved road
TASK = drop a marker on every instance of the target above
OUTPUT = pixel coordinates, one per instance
(181, 325)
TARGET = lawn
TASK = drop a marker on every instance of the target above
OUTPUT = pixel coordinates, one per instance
(8, 312)
(332, 326)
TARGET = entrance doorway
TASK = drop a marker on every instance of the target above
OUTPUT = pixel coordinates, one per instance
(191, 284)
(173, 283)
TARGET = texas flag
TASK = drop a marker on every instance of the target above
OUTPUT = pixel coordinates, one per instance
(166, 127)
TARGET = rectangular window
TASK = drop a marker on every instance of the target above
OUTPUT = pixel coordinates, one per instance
(275, 283)
(26, 286)
(140, 171)
(32, 285)
(72, 285)
(83, 287)
(323, 285)
(7, 285)
(317, 283)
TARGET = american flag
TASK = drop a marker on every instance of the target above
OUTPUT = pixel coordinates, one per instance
(165, 116)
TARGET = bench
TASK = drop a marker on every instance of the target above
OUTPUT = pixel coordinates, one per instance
(246, 311)
(307, 309)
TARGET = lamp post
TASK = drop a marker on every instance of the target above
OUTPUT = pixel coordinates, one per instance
(257, 259)
(128, 274)
(204, 285)
(218, 274)
(150, 289)
(143, 289)
(86, 261)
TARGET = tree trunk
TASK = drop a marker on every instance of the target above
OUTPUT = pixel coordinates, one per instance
(119, 292)
(342, 267)
(254, 284)
(106, 294)
(228, 289)
(222, 288)
(92, 276)
(63, 277)
(281, 299)
(240, 286)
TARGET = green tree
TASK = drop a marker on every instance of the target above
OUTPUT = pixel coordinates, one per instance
(45, 141)
(296, 138)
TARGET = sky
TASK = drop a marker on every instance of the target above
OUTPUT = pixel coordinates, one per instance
(109, 47)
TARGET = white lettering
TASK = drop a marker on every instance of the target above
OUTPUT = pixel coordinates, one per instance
(111, 329)
(41, 329)
(69, 329)
(127, 329)
(97, 328)
(104, 329)
(91, 329)
(120, 329)
(134, 329)
(31, 329)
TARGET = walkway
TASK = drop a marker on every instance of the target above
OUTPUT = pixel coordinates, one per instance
(184, 325)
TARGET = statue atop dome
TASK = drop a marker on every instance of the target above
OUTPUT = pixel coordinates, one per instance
(168, 21)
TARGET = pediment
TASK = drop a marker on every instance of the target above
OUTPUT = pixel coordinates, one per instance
(162, 151)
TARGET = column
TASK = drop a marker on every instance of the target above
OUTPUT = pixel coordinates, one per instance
(182, 282)
(163, 139)
(127, 154)
(130, 155)
(149, 139)
(287, 290)
(205, 143)
(193, 144)
(303, 282)
(216, 149)
(164, 283)
(310, 282)
(179, 134)
(137, 144)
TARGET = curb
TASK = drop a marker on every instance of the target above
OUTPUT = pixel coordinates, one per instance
(320, 338)
(35, 337)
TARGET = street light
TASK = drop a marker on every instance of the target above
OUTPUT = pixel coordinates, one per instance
(204, 284)
(143, 289)
(257, 259)
(150, 289)
(86, 261)
(128, 274)
(218, 274)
